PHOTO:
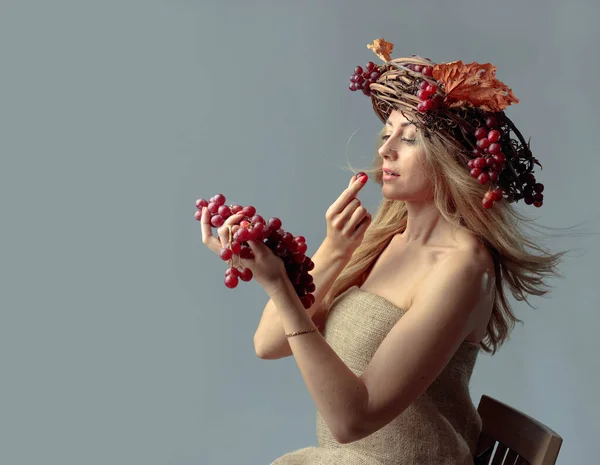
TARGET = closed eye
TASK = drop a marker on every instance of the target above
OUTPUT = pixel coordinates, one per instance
(408, 141)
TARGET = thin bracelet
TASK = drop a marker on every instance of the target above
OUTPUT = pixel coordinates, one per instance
(298, 333)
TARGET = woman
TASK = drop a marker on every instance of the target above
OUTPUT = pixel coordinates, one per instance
(405, 302)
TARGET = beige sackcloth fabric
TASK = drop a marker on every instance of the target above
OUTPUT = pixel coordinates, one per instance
(441, 427)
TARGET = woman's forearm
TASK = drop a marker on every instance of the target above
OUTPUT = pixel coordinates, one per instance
(269, 340)
(340, 395)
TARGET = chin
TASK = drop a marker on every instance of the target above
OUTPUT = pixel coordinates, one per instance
(392, 192)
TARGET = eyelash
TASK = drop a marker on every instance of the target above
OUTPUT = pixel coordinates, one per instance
(408, 141)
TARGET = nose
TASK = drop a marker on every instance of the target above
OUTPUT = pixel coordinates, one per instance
(387, 151)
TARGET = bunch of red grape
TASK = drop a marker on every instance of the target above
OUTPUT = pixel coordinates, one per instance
(423, 69)
(291, 249)
(430, 99)
(362, 79)
(489, 162)
(532, 190)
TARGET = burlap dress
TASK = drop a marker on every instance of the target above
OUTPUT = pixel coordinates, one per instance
(441, 427)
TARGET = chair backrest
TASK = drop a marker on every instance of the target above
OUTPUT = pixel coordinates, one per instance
(510, 437)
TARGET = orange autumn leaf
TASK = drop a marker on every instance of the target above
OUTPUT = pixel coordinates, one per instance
(382, 49)
(474, 85)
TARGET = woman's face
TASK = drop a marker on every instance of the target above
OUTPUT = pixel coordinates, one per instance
(403, 156)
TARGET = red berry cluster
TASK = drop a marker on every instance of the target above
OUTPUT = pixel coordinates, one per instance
(430, 99)
(253, 227)
(362, 79)
(489, 160)
(532, 190)
(424, 70)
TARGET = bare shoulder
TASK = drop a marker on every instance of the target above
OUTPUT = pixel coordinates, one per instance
(471, 267)
(467, 269)
(472, 253)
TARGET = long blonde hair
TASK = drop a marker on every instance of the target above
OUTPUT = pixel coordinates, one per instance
(520, 264)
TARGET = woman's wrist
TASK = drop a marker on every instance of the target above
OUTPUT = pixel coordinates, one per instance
(328, 252)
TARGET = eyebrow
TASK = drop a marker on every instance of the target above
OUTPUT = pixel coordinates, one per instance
(402, 125)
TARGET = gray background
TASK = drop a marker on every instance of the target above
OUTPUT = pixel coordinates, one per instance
(119, 343)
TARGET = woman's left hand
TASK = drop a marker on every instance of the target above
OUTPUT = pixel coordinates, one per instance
(267, 268)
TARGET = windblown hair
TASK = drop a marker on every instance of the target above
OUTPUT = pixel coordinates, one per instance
(521, 266)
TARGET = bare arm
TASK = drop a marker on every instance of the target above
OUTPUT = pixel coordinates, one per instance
(347, 220)
(270, 342)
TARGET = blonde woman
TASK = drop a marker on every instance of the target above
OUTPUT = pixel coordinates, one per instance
(405, 301)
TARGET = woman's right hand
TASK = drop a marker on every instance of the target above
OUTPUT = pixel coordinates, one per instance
(347, 220)
(216, 243)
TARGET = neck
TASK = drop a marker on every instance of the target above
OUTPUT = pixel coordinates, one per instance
(424, 223)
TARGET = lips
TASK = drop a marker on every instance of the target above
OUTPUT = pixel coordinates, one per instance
(389, 172)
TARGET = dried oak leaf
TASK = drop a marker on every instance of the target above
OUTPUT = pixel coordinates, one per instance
(473, 85)
(382, 49)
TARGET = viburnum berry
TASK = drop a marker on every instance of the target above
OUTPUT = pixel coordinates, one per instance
(483, 178)
(491, 122)
(499, 157)
(483, 143)
(494, 135)
(497, 167)
(487, 202)
(480, 162)
(475, 172)
(427, 105)
(494, 148)
(481, 133)
(423, 94)
(437, 100)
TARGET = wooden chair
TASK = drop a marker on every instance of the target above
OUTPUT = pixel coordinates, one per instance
(510, 437)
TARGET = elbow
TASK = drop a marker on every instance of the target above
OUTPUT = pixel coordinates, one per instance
(259, 350)
(347, 435)
(364, 426)
(350, 431)
(262, 352)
